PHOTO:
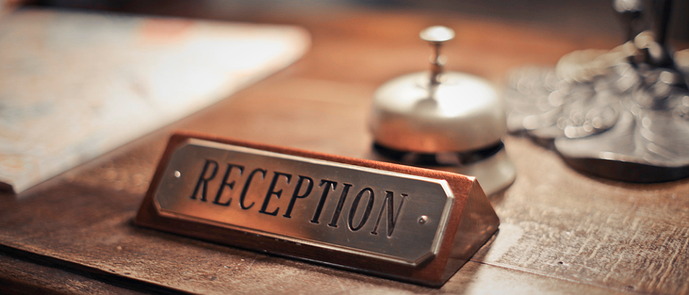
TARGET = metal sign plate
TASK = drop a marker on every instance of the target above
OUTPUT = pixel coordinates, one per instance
(400, 222)
(380, 214)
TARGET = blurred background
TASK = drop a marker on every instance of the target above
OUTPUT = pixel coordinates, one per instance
(571, 17)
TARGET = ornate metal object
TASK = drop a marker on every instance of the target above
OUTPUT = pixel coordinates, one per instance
(621, 114)
(395, 221)
(442, 120)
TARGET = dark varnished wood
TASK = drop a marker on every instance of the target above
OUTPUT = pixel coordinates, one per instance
(561, 231)
(21, 277)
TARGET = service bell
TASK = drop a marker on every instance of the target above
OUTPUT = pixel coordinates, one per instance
(449, 121)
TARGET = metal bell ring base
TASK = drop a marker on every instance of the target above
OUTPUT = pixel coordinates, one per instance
(621, 114)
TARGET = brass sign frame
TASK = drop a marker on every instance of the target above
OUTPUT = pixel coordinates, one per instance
(395, 221)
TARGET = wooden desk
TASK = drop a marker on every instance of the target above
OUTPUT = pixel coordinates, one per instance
(562, 232)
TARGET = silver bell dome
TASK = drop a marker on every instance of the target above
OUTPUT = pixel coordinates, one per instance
(443, 120)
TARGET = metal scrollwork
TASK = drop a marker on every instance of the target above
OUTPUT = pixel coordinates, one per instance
(621, 114)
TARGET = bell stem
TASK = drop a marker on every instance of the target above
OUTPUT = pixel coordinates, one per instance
(436, 65)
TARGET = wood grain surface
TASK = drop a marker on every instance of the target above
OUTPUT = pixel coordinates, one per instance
(561, 232)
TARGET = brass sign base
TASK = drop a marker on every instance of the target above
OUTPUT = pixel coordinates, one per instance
(394, 221)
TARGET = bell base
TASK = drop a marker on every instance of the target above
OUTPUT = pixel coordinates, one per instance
(491, 166)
